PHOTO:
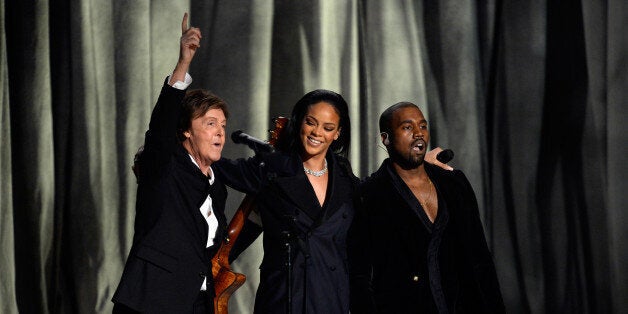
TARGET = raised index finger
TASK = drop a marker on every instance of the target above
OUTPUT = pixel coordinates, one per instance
(184, 23)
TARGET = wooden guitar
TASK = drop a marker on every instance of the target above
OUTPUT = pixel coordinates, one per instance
(226, 281)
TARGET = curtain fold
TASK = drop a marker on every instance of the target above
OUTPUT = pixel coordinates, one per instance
(31, 145)
(614, 108)
(8, 303)
(531, 96)
(392, 33)
(514, 115)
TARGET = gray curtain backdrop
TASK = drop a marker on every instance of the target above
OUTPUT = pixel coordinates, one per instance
(531, 95)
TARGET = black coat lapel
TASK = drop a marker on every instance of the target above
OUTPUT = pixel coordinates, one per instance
(192, 217)
(405, 193)
(340, 189)
(299, 192)
(218, 193)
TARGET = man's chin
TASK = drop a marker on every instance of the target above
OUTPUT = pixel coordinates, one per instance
(407, 160)
(411, 163)
(215, 158)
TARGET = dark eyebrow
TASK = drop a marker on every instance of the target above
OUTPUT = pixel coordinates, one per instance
(310, 119)
(411, 121)
(325, 123)
(216, 119)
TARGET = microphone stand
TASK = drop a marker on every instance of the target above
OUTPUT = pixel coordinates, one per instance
(290, 236)
(287, 237)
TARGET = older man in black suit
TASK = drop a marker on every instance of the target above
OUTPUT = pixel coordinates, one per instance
(180, 220)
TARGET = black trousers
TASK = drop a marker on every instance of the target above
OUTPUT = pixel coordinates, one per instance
(201, 306)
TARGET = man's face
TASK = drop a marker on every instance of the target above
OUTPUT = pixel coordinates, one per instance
(206, 136)
(409, 138)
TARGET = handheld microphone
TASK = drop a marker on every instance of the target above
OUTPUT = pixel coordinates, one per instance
(445, 156)
(255, 144)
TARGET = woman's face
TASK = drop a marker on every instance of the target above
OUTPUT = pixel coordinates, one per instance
(320, 127)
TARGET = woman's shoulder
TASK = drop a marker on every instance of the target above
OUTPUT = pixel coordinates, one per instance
(280, 163)
(345, 167)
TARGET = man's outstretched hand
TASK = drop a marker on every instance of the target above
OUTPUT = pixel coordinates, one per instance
(431, 158)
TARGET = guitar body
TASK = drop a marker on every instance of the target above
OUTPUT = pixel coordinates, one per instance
(226, 281)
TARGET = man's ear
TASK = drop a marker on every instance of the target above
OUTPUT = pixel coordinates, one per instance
(385, 139)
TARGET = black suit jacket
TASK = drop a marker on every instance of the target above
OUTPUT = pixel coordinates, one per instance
(287, 203)
(402, 263)
(168, 260)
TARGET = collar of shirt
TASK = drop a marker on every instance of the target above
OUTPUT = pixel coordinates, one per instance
(212, 221)
(211, 171)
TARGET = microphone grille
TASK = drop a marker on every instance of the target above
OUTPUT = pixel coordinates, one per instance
(445, 156)
(235, 136)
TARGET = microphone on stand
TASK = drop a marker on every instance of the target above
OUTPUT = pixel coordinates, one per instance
(257, 145)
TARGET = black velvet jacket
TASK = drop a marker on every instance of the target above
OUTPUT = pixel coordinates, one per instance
(400, 262)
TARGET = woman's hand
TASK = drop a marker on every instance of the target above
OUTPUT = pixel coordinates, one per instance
(431, 158)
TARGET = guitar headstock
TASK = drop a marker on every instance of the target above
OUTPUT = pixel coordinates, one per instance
(280, 124)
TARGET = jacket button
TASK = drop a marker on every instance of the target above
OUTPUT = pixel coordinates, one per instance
(415, 278)
(202, 274)
(332, 268)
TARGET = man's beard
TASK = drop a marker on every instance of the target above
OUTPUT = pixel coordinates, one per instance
(409, 161)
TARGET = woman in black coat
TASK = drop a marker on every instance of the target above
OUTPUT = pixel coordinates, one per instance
(304, 198)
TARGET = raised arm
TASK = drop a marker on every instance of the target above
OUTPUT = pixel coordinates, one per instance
(161, 136)
(190, 41)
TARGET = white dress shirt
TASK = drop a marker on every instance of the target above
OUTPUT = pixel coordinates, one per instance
(206, 208)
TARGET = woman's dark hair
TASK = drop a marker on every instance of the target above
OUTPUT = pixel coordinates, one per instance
(195, 104)
(290, 139)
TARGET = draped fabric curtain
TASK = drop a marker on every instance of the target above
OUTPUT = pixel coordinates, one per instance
(532, 97)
